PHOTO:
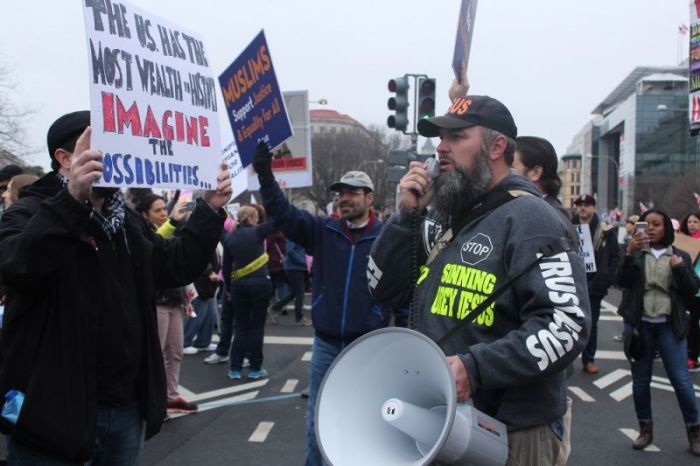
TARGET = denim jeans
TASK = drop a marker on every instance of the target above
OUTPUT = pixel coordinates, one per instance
(674, 355)
(225, 328)
(323, 355)
(297, 283)
(119, 442)
(199, 329)
(249, 297)
(588, 354)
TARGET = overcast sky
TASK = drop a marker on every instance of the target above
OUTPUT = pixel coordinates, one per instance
(550, 61)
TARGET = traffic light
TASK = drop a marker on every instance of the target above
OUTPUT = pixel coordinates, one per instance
(398, 103)
(426, 98)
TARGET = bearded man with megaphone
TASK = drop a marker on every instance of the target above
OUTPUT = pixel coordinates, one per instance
(510, 358)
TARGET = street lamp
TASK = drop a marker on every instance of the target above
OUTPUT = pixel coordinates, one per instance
(617, 166)
(369, 162)
(319, 101)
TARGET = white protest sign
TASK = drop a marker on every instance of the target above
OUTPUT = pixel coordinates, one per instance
(152, 100)
(587, 251)
(239, 176)
(291, 161)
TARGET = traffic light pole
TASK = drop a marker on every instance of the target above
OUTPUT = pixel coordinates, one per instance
(414, 133)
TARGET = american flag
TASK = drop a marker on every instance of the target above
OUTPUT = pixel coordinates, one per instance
(682, 29)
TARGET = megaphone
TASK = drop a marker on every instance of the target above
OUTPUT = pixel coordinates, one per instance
(390, 399)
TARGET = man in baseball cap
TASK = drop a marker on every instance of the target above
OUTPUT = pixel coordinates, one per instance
(498, 223)
(343, 309)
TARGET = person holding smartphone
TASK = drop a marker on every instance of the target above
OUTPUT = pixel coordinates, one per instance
(658, 283)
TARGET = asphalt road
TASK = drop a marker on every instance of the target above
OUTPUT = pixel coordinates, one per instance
(262, 423)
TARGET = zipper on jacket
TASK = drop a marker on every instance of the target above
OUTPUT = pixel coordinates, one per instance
(346, 293)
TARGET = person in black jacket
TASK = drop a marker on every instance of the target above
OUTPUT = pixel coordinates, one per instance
(658, 280)
(607, 257)
(79, 340)
(245, 268)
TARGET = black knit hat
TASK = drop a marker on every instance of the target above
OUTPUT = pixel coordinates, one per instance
(66, 128)
(10, 171)
(474, 110)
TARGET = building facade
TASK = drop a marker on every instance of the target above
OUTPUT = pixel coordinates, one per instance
(637, 149)
(570, 174)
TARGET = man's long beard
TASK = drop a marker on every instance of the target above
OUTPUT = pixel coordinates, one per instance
(456, 191)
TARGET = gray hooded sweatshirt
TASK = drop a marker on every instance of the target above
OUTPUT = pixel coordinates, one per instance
(515, 352)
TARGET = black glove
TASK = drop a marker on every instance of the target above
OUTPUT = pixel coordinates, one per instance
(262, 163)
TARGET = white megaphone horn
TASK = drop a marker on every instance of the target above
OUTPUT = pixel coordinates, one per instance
(390, 399)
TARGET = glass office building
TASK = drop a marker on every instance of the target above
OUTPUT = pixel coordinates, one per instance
(637, 149)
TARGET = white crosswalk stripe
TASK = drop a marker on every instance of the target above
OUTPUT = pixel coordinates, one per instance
(581, 394)
(261, 432)
(632, 434)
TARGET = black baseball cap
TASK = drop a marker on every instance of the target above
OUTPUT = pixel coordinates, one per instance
(585, 199)
(474, 110)
(66, 128)
(10, 171)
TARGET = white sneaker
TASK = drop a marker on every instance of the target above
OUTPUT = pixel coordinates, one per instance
(190, 350)
(215, 359)
(211, 347)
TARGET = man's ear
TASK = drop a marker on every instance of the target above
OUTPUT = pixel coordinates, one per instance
(498, 147)
(535, 173)
(63, 157)
(370, 198)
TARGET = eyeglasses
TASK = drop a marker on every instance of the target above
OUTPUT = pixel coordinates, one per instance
(351, 192)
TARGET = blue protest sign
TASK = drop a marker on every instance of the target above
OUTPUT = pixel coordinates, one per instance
(465, 30)
(253, 99)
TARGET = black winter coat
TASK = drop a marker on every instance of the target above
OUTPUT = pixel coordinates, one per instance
(48, 344)
(631, 277)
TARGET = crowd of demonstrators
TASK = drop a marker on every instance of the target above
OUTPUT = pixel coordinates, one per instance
(607, 257)
(342, 307)
(276, 248)
(498, 360)
(690, 226)
(225, 321)
(658, 283)
(99, 269)
(171, 303)
(294, 265)
(249, 287)
(199, 327)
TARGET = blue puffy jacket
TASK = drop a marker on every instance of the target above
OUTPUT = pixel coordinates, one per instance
(342, 306)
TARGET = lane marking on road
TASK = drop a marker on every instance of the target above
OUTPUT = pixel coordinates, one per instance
(611, 318)
(272, 340)
(622, 392)
(608, 307)
(611, 378)
(261, 432)
(289, 386)
(306, 356)
(610, 355)
(227, 390)
(581, 394)
(186, 394)
(632, 435)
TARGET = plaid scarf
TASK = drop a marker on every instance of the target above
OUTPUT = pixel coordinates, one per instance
(112, 221)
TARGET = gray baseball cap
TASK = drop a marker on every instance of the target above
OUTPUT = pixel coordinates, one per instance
(353, 179)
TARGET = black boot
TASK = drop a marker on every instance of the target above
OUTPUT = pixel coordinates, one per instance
(694, 439)
(646, 435)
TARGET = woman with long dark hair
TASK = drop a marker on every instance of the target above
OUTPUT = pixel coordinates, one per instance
(658, 280)
(690, 225)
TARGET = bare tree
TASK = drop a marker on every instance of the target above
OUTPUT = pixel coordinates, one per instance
(336, 154)
(12, 117)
